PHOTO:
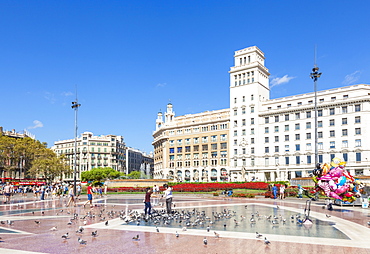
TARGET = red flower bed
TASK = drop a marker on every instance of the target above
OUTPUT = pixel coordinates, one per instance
(199, 187)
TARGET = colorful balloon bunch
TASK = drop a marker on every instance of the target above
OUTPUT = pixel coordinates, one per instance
(336, 182)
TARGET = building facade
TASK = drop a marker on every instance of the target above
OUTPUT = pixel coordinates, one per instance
(273, 139)
(93, 152)
(137, 160)
(192, 147)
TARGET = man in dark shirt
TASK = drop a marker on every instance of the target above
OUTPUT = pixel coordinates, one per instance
(148, 206)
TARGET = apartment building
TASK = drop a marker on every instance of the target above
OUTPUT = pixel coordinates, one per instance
(269, 139)
(92, 152)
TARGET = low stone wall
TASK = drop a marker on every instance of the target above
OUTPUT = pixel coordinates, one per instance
(303, 181)
(135, 183)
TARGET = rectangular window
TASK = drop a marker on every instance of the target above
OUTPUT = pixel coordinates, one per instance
(266, 119)
(332, 144)
(297, 137)
(309, 159)
(344, 110)
(243, 122)
(266, 129)
(214, 146)
(345, 143)
(252, 120)
(331, 111)
(344, 120)
(319, 124)
(252, 150)
(267, 149)
(286, 117)
(297, 116)
(321, 159)
(308, 135)
(286, 137)
(320, 145)
(276, 119)
(252, 109)
(252, 131)
(319, 112)
(223, 145)
(308, 147)
(276, 138)
(297, 126)
(358, 119)
(358, 157)
(308, 125)
(286, 148)
(286, 127)
(357, 142)
(266, 162)
(235, 133)
(344, 132)
(358, 131)
(235, 112)
(286, 160)
(196, 140)
(204, 147)
(172, 150)
(187, 149)
(319, 134)
(297, 160)
(308, 114)
(204, 139)
(357, 108)
(243, 132)
(332, 134)
(252, 140)
(179, 149)
(331, 122)
(345, 157)
(266, 139)
(276, 149)
(298, 147)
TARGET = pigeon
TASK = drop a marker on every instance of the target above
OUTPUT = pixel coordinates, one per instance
(208, 228)
(65, 236)
(136, 238)
(80, 230)
(267, 242)
(157, 229)
(245, 206)
(69, 222)
(205, 241)
(217, 235)
(81, 241)
(37, 222)
(177, 234)
(184, 229)
(10, 222)
(94, 233)
(258, 235)
(368, 223)
(106, 223)
(328, 216)
(85, 222)
(54, 228)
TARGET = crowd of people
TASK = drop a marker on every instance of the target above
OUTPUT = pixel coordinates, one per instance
(49, 191)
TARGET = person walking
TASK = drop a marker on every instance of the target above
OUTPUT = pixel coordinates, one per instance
(274, 191)
(7, 192)
(89, 195)
(71, 196)
(282, 192)
(300, 191)
(148, 206)
(168, 196)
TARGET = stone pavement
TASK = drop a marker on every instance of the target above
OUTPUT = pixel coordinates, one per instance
(31, 222)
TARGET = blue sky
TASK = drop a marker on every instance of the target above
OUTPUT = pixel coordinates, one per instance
(128, 59)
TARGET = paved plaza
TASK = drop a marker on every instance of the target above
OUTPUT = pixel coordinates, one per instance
(33, 226)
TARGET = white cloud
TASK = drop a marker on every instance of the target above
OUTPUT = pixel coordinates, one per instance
(351, 78)
(279, 81)
(67, 94)
(50, 97)
(36, 124)
(161, 85)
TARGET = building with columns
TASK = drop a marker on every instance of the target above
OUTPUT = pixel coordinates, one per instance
(269, 139)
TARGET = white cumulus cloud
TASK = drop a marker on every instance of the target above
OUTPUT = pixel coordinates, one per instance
(278, 81)
(36, 124)
(351, 78)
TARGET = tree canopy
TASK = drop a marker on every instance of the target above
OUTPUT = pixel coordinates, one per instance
(100, 174)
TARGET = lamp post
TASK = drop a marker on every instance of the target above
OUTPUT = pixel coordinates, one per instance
(75, 106)
(315, 74)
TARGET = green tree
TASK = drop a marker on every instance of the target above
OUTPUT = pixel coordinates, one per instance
(134, 175)
(49, 166)
(100, 174)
